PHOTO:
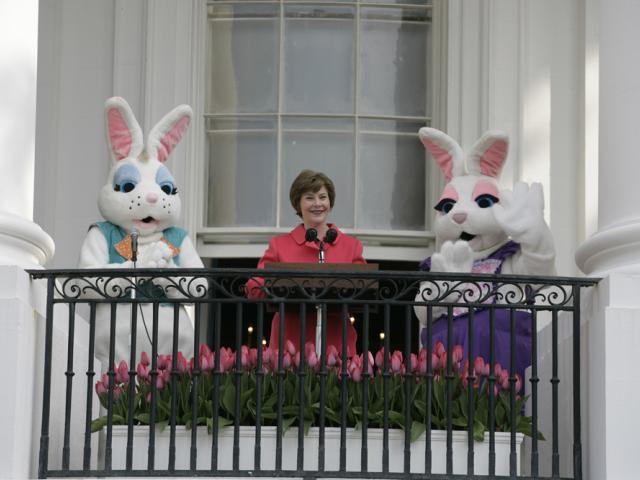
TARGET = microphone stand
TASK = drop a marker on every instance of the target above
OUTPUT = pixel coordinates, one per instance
(312, 236)
(319, 307)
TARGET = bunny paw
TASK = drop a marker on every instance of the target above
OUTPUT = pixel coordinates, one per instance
(520, 212)
(453, 258)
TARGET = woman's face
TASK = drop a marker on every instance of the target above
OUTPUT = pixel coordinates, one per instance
(315, 207)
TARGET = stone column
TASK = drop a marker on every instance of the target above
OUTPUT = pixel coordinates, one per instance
(23, 244)
(613, 252)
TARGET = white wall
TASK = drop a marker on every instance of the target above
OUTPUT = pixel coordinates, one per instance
(89, 51)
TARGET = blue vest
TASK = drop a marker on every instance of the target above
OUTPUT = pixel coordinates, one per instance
(113, 234)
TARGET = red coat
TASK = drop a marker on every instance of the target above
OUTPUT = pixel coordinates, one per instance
(291, 247)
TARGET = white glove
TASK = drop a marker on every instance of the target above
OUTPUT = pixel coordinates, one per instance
(156, 255)
(520, 213)
(453, 258)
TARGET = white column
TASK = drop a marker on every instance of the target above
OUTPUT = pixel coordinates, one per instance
(23, 244)
(616, 244)
(613, 252)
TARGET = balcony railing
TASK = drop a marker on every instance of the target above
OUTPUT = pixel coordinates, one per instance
(294, 411)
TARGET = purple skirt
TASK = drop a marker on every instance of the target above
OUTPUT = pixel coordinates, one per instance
(481, 347)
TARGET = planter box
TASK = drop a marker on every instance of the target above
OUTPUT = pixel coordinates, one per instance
(290, 446)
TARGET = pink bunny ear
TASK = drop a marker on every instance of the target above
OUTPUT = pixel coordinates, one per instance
(168, 132)
(445, 151)
(123, 132)
(489, 153)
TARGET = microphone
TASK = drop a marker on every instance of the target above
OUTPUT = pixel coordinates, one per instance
(331, 236)
(134, 244)
(311, 235)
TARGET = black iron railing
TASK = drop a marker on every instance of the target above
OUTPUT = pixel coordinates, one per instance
(301, 410)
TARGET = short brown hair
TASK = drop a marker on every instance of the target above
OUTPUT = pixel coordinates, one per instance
(310, 181)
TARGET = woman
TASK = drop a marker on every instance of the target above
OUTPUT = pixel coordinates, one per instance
(312, 196)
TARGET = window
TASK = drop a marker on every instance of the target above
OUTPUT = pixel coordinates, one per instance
(339, 87)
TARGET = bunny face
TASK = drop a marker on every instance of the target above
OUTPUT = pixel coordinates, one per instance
(464, 210)
(140, 191)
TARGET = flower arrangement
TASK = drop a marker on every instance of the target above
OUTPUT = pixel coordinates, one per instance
(176, 378)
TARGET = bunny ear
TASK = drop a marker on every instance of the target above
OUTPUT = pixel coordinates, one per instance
(168, 132)
(445, 151)
(124, 135)
(489, 153)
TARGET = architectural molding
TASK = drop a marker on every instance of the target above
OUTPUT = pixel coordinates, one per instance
(23, 243)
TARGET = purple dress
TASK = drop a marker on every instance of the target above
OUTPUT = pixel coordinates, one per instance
(502, 337)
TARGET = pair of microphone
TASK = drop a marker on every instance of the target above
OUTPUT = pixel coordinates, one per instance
(311, 235)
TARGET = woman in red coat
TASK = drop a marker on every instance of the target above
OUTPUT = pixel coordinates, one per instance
(312, 195)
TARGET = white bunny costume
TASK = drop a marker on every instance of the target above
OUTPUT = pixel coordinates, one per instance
(482, 229)
(140, 194)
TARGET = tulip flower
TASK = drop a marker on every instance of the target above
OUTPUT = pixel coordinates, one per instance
(122, 373)
(396, 362)
(182, 366)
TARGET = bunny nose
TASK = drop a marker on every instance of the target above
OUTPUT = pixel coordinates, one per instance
(459, 217)
(151, 198)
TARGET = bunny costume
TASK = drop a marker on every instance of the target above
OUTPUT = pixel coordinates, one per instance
(140, 194)
(482, 229)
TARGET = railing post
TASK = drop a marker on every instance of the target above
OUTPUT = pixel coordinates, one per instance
(46, 390)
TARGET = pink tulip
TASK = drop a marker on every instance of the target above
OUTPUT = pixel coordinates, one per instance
(245, 361)
(296, 360)
(457, 354)
(435, 362)
(380, 358)
(354, 368)
(122, 373)
(290, 347)
(206, 358)
(309, 348)
(396, 362)
(333, 357)
(227, 359)
(370, 363)
(253, 357)
(439, 349)
(356, 374)
(144, 359)
(117, 391)
(102, 385)
(181, 364)
(287, 361)
(313, 361)
(518, 382)
(143, 372)
(421, 364)
(503, 380)
(479, 366)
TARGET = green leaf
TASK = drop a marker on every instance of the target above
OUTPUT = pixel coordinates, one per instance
(228, 400)
(161, 426)
(143, 418)
(417, 429)
(98, 424)
(287, 422)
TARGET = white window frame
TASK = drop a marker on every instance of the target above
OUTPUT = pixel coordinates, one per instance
(188, 20)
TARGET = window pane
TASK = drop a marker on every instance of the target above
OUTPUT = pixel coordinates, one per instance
(392, 54)
(391, 183)
(328, 149)
(318, 59)
(243, 58)
(242, 172)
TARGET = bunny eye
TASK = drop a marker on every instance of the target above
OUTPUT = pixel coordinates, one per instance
(486, 200)
(445, 205)
(169, 188)
(166, 181)
(126, 187)
(126, 178)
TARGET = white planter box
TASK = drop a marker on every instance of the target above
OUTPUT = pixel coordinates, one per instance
(290, 446)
